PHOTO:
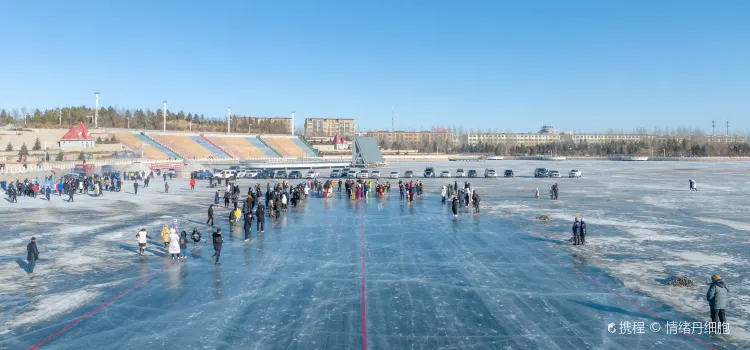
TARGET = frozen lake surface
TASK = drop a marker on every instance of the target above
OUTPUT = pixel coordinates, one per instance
(334, 273)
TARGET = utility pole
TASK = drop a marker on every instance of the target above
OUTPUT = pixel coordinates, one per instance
(727, 131)
(165, 117)
(713, 128)
(96, 111)
(229, 120)
(393, 112)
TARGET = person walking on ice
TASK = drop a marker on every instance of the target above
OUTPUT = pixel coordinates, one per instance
(174, 244)
(142, 238)
(165, 235)
(183, 244)
(217, 240)
(717, 301)
(32, 255)
(210, 214)
(536, 195)
(196, 236)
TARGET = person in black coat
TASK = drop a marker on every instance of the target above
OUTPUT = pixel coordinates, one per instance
(218, 240)
(135, 187)
(248, 225)
(196, 236)
(32, 254)
(454, 206)
(210, 215)
(260, 214)
(183, 244)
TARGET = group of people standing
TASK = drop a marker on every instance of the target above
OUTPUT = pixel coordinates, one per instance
(458, 196)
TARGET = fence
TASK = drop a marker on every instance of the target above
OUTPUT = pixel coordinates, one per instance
(50, 166)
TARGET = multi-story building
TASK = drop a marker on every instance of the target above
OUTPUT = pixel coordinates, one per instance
(412, 137)
(546, 135)
(330, 127)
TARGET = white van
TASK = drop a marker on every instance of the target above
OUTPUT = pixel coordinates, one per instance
(225, 174)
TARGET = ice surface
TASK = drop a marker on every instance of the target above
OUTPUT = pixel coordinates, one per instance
(431, 281)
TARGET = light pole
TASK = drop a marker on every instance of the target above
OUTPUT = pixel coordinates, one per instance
(96, 111)
(24, 118)
(665, 152)
(59, 114)
(165, 116)
(229, 120)
(292, 123)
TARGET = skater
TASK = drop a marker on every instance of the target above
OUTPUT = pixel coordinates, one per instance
(174, 244)
(226, 199)
(583, 232)
(552, 192)
(142, 238)
(442, 194)
(217, 241)
(454, 206)
(32, 255)
(166, 187)
(165, 235)
(536, 194)
(577, 231)
(216, 197)
(71, 192)
(248, 226)
(183, 244)
(210, 214)
(192, 184)
(476, 202)
(260, 214)
(556, 188)
(237, 214)
(196, 236)
(717, 300)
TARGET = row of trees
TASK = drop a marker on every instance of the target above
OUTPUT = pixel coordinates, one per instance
(669, 147)
(111, 117)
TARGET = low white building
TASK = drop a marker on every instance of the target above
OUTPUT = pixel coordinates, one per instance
(77, 137)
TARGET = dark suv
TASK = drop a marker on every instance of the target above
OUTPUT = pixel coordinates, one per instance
(429, 172)
(473, 173)
(508, 173)
(295, 174)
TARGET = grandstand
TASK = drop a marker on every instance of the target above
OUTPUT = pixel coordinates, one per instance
(237, 147)
(268, 151)
(287, 147)
(134, 143)
(186, 146)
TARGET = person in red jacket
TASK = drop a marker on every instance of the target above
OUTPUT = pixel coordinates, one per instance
(192, 184)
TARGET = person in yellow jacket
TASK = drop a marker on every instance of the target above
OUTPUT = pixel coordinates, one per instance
(165, 235)
(237, 214)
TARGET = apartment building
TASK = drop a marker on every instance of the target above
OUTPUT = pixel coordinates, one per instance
(329, 127)
(413, 137)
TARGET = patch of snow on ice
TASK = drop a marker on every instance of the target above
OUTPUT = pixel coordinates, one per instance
(741, 226)
(54, 305)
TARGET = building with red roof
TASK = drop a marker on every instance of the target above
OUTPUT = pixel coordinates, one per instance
(78, 136)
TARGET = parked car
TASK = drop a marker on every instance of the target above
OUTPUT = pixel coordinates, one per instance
(280, 174)
(312, 174)
(429, 172)
(335, 174)
(575, 173)
(540, 172)
(351, 174)
(409, 174)
(375, 174)
(251, 174)
(490, 173)
(363, 174)
(508, 173)
(445, 173)
(394, 175)
(295, 174)
(460, 173)
(554, 173)
(473, 173)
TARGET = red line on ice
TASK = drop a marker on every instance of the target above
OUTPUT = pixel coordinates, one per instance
(364, 308)
(708, 346)
(98, 308)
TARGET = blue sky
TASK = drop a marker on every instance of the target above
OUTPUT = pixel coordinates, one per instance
(579, 65)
